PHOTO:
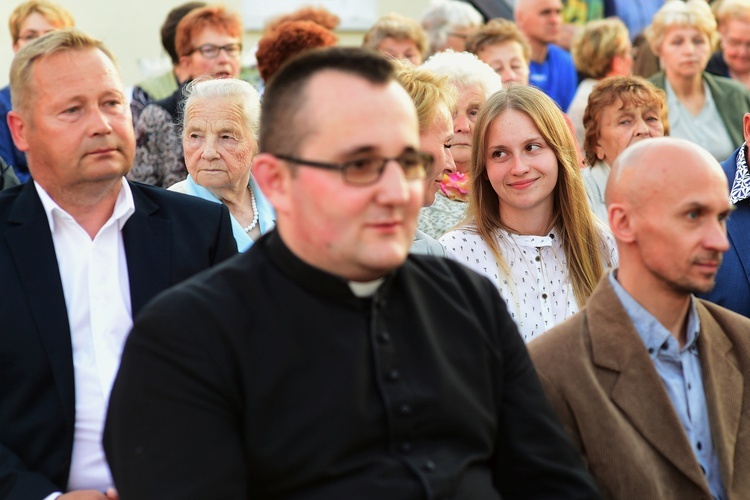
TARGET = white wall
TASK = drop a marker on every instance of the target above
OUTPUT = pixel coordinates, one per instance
(130, 28)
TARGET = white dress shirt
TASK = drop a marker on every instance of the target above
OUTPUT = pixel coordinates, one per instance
(94, 276)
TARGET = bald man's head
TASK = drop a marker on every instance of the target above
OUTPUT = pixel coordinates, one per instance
(667, 202)
(648, 167)
(539, 20)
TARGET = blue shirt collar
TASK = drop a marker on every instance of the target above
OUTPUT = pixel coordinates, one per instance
(651, 331)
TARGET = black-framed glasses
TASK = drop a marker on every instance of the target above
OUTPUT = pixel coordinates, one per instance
(211, 51)
(367, 170)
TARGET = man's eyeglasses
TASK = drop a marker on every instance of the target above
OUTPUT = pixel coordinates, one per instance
(368, 170)
(211, 51)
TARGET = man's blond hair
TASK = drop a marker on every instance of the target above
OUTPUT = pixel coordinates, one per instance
(21, 84)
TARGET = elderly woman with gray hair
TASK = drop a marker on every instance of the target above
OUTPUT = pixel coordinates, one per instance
(449, 23)
(474, 81)
(220, 129)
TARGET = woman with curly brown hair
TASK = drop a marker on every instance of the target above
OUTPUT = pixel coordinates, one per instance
(621, 111)
(288, 39)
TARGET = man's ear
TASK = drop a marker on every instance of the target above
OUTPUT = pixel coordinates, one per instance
(621, 222)
(18, 127)
(746, 126)
(273, 177)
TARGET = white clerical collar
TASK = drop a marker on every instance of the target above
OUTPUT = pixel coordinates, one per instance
(365, 289)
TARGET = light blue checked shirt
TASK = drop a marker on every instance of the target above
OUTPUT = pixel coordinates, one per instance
(680, 370)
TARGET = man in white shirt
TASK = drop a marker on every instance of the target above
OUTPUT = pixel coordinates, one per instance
(81, 251)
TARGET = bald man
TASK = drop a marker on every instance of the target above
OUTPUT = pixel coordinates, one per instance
(652, 384)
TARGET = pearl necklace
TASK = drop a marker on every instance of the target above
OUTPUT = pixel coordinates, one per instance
(255, 213)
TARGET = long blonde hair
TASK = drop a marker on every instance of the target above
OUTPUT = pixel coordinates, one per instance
(575, 222)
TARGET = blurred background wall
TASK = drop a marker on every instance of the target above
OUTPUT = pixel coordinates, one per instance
(131, 28)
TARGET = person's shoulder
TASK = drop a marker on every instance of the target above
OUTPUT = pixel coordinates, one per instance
(564, 337)
(9, 196)
(729, 166)
(727, 85)
(716, 64)
(173, 202)
(159, 87)
(445, 273)
(179, 187)
(463, 233)
(225, 284)
(658, 79)
(735, 326)
(559, 53)
(424, 244)
(5, 104)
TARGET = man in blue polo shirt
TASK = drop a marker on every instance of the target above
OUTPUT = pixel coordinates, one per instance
(551, 68)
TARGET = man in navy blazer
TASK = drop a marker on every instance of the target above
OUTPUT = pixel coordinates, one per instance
(81, 252)
(732, 288)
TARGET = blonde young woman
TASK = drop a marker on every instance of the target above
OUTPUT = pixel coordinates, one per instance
(529, 228)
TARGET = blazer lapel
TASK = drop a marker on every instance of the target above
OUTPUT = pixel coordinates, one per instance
(33, 252)
(737, 225)
(148, 247)
(723, 384)
(638, 391)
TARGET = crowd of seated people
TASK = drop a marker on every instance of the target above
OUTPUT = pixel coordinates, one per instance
(516, 166)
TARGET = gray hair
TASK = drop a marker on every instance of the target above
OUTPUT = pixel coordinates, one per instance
(240, 92)
(444, 15)
(465, 69)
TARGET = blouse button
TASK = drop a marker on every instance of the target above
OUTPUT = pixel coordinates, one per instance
(394, 375)
(544, 296)
(537, 258)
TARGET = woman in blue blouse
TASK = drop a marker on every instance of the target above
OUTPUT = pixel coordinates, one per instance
(220, 128)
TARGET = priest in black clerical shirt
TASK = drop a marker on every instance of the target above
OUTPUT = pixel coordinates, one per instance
(326, 362)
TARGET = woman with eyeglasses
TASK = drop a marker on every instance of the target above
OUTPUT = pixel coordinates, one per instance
(209, 41)
(529, 228)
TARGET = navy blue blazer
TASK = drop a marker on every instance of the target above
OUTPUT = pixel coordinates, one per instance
(732, 288)
(168, 238)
